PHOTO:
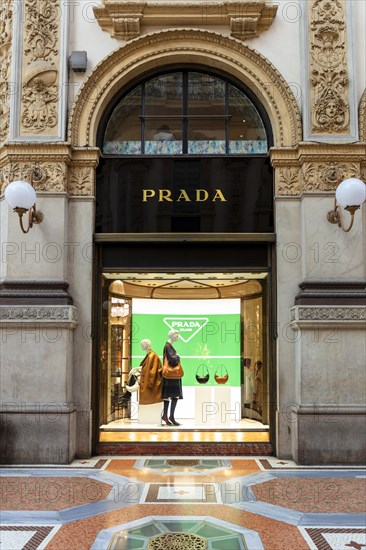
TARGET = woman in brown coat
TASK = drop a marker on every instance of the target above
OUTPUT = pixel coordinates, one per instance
(150, 380)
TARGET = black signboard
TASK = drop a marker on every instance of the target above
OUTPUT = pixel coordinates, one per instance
(164, 195)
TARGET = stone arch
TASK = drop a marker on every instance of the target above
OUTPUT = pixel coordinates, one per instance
(362, 117)
(186, 46)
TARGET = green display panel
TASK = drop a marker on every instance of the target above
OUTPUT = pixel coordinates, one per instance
(211, 341)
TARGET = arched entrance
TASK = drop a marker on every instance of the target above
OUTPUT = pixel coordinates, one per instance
(220, 258)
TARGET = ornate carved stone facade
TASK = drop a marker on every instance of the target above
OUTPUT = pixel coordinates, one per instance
(6, 32)
(55, 166)
(127, 20)
(176, 46)
(50, 314)
(362, 114)
(40, 68)
(302, 317)
(82, 172)
(329, 78)
(316, 167)
(48, 164)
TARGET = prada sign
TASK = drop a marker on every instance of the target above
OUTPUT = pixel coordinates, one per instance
(217, 194)
(197, 195)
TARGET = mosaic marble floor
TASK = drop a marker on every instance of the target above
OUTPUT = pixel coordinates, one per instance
(182, 504)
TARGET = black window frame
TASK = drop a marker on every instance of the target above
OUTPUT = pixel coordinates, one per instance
(228, 80)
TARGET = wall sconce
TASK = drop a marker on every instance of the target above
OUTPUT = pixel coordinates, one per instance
(350, 195)
(21, 196)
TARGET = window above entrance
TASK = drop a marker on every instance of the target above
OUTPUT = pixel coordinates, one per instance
(185, 112)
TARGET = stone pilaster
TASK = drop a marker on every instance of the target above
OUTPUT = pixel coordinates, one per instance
(6, 33)
(45, 286)
(38, 111)
(329, 103)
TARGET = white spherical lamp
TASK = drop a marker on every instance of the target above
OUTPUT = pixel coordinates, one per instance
(351, 192)
(20, 194)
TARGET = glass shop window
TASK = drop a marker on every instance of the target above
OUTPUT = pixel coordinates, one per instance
(185, 112)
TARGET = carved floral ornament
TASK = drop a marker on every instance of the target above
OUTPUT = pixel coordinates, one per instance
(126, 20)
(308, 317)
(362, 114)
(6, 23)
(49, 176)
(57, 316)
(329, 83)
(39, 106)
(312, 167)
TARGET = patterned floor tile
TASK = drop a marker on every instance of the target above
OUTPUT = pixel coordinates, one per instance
(273, 463)
(49, 493)
(25, 537)
(274, 535)
(328, 495)
(178, 466)
(190, 533)
(179, 493)
(134, 469)
(335, 538)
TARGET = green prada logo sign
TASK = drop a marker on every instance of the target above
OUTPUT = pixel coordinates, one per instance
(188, 327)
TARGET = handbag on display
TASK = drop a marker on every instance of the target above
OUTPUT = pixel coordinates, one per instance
(133, 382)
(202, 374)
(172, 373)
(221, 378)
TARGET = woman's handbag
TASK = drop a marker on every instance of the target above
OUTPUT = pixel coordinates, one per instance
(172, 373)
(221, 378)
(133, 382)
(202, 374)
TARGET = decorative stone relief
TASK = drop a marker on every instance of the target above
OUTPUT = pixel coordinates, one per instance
(362, 115)
(6, 23)
(81, 180)
(288, 181)
(314, 167)
(46, 176)
(54, 167)
(40, 78)
(310, 317)
(125, 20)
(329, 82)
(331, 313)
(325, 176)
(34, 313)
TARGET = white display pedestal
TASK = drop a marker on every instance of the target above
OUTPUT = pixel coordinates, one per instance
(150, 414)
(217, 405)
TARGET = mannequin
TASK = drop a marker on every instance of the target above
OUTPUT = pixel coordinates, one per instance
(171, 389)
(150, 380)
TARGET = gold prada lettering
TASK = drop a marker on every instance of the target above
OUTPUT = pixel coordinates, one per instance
(199, 195)
(147, 194)
(183, 196)
(164, 195)
(219, 196)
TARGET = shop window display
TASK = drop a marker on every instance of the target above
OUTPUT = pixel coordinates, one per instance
(221, 340)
